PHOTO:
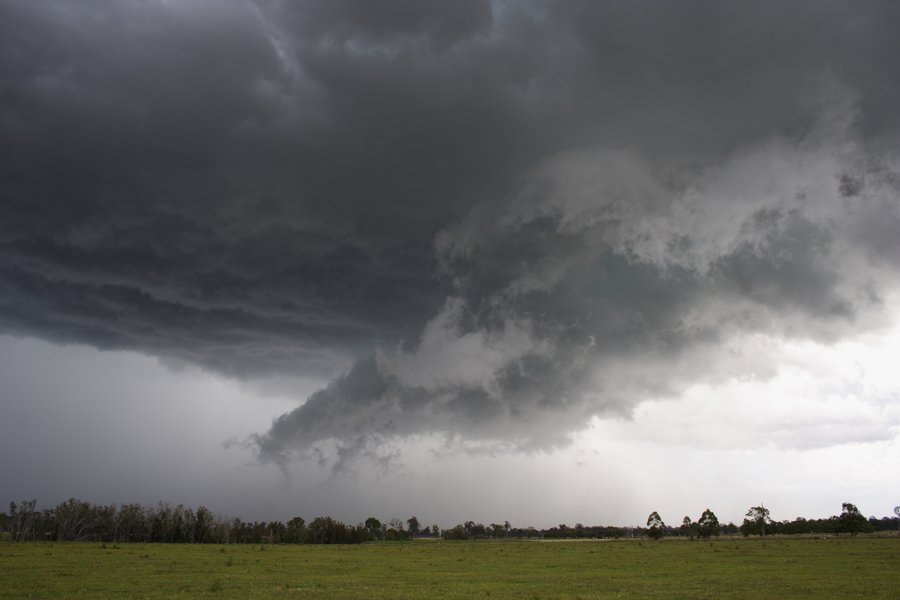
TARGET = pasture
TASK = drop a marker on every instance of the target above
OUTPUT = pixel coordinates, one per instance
(865, 568)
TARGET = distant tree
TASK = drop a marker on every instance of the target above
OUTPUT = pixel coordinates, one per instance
(656, 529)
(203, 526)
(321, 530)
(296, 531)
(238, 531)
(885, 523)
(396, 531)
(851, 520)
(221, 530)
(278, 533)
(435, 531)
(74, 519)
(495, 530)
(412, 526)
(756, 521)
(162, 527)
(455, 533)
(131, 523)
(374, 528)
(687, 527)
(469, 528)
(22, 520)
(708, 525)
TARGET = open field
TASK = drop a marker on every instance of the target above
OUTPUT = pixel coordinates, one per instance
(753, 568)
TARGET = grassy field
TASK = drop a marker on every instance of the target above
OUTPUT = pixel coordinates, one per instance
(842, 568)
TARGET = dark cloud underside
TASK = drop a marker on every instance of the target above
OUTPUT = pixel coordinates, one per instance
(496, 218)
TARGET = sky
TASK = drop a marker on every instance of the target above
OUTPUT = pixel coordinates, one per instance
(466, 260)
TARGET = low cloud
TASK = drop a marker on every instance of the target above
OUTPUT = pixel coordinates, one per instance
(607, 280)
(485, 221)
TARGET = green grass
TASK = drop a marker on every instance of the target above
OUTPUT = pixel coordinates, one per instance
(754, 568)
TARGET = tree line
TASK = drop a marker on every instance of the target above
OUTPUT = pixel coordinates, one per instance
(78, 520)
(758, 521)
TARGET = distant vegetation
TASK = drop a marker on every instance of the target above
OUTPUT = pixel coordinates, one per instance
(78, 520)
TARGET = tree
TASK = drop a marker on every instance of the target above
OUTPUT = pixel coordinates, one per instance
(325, 530)
(278, 532)
(131, 523)
(756, 521)
(687, 527)
(22, 519)
(374, 528)
(851, 520)
(708, 525)
(203, 525)
(161, 524)
(395, 530)
(412, 526)
(74, 519)
(656, 527)
(456, 533)
(296, 531)
(496, 530)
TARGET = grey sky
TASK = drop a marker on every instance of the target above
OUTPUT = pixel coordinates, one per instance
(479, 228)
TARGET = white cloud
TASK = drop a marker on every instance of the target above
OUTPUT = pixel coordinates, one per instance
(814, 396)
(449, 356)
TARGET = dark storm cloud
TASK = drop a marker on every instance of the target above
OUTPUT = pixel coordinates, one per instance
(507, 216)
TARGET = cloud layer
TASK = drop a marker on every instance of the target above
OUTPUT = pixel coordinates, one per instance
(601, 284)
(489, 221)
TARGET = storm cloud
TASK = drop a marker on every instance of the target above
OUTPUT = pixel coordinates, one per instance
(486, 221)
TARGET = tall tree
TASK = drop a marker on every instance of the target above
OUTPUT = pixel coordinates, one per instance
(756, 521)
(203, 525)
(325, 530)
(687, 527)
(296, 531)
(708, 525)
(74, 520)
(374, 528)
(851, 520)
(21, 519)
(412, 526)
(656, 529)
(131, 523)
